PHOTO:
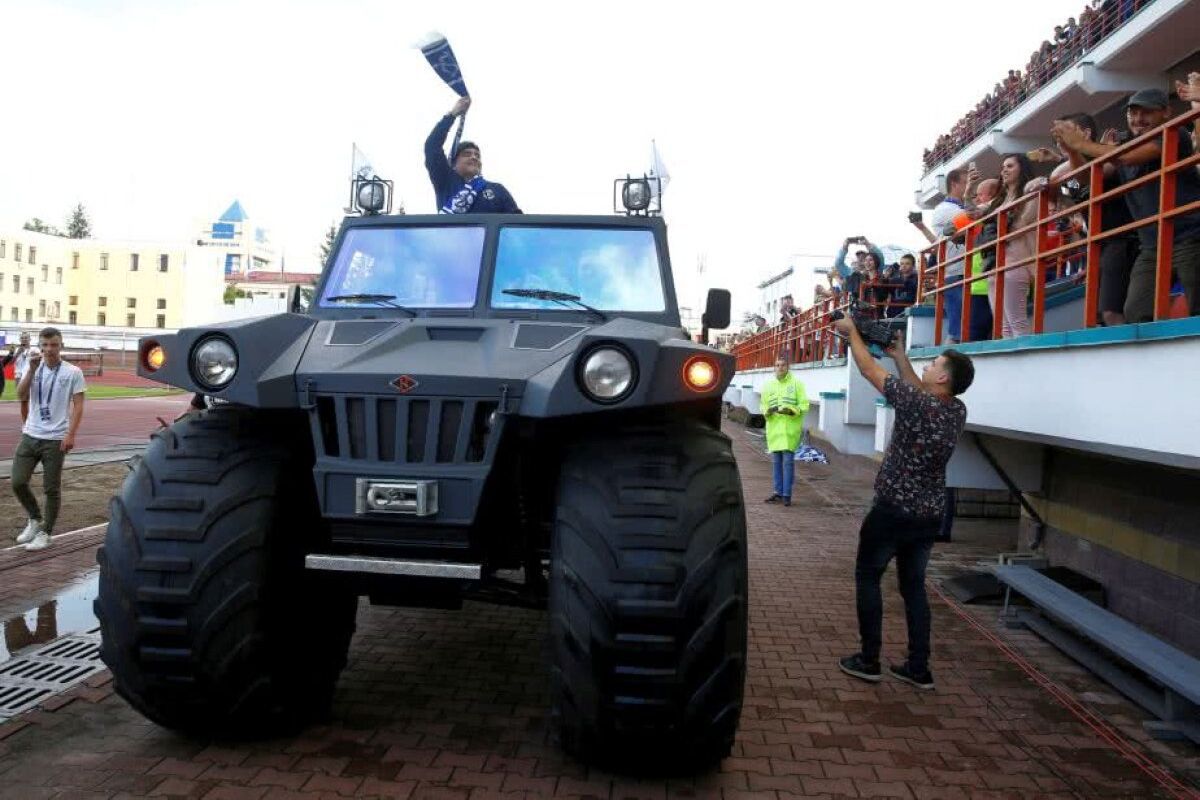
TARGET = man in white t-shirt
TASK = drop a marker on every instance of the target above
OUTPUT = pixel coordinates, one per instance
(21, 357)
(954, 203)
(51, 394)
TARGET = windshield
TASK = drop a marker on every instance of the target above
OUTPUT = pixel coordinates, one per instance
(420, 267)
(615, 269)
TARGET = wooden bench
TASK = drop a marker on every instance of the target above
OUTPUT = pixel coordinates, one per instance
(1172, 692)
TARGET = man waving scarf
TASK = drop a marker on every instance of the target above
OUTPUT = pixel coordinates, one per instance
(457, 182)
(459, 186)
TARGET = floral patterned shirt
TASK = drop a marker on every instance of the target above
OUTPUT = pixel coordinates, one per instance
(913, 475)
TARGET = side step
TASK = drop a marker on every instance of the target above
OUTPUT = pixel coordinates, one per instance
(393, 566)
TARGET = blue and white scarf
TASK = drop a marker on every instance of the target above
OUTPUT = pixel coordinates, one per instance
(461, 201)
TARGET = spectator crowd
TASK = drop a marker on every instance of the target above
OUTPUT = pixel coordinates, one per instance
(1067, 45)
(973, 205)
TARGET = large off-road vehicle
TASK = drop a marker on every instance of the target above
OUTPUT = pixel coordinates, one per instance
(495, 407)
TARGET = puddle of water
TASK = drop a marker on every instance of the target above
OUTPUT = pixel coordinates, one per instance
(69, 611)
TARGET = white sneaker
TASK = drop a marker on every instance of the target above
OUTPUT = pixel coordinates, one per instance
(39, 542)
(31, 530)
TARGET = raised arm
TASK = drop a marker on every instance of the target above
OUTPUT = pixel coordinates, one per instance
(435, 156)
(839, 261)
(903, 366)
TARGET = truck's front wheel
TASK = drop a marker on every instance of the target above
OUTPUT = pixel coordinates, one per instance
(648, 598)
(209, 621)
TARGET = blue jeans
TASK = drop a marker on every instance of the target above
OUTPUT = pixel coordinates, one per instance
(887, 533)
(785, 471)
(952, 306)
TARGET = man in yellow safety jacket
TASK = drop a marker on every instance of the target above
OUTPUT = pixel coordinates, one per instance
(784, 403)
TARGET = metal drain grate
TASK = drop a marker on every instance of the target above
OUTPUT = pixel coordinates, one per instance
(28, 680)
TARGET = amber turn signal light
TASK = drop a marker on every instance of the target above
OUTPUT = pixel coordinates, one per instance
(700, 373)
(155, 358)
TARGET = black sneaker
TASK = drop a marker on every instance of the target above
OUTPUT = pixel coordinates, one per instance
(859, 668)
(787, 501)
(921, 680)
(773, 499)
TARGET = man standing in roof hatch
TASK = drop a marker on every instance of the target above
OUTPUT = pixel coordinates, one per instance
(460, 186)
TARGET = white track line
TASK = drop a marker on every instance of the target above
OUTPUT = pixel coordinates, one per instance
(58, 536)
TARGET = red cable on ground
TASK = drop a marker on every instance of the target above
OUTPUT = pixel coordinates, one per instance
(1099, 725)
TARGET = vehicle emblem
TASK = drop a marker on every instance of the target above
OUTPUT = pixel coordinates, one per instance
(405, 384)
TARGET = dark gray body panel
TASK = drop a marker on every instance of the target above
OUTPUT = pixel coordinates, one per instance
(389, 396)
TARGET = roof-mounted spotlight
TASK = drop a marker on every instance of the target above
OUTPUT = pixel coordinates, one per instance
(637, 196)
(371, 196)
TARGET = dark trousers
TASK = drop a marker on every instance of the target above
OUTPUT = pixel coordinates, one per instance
(887, 533)
(31, 452)
(981, 318)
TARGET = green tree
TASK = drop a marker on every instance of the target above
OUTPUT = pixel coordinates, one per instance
(78, 224)
(327, 245)
(232, 293)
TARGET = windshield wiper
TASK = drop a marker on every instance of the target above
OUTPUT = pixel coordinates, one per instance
(378, 299)
(562, 298)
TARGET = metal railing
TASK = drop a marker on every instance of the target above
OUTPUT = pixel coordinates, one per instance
(808, 337)
(933, 275)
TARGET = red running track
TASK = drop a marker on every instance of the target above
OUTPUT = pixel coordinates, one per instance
(106, 422)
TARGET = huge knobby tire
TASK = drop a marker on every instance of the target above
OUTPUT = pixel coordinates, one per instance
(648, 599)
(209, 622)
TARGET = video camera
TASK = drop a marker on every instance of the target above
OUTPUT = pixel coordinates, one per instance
(873, 331)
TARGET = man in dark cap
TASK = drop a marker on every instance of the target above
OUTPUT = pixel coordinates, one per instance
(459, 185)
(1146, 110)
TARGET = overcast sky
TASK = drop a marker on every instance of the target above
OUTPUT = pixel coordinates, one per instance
(785, 127)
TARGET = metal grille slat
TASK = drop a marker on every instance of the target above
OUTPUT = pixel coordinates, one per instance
(343, 426)
(431, 431)
(465, 426)
(384, 435)
(418, 425)
(371, 433)
(26, 681)
(449, 430)
(402, 431)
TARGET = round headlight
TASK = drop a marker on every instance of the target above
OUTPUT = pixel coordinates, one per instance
(636, 194)
(214, 362)
(607, 374)
(371, 196)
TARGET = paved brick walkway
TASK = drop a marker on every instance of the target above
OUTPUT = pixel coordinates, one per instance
(452, 705)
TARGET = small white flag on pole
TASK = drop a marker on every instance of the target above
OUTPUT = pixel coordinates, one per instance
(360, 165)
(657, 168)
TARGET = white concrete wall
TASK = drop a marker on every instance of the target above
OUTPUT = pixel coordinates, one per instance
(1141, 396)
(1135, 399)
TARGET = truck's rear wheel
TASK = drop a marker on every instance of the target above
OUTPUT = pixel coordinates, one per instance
(209, 621)
(648, 598)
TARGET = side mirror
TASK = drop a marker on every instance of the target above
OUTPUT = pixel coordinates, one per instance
(716, 312)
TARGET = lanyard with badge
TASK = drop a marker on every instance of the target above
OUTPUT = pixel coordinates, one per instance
(44, 407)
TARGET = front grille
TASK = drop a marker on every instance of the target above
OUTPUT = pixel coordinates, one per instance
(406, 430)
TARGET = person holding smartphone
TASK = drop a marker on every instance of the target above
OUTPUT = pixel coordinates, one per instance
(784, 405)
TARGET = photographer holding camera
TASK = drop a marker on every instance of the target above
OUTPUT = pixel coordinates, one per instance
(785, 404)
(910, 492)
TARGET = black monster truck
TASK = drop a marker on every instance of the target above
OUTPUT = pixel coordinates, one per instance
(497, 408)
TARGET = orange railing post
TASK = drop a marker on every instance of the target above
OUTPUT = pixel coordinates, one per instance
(1039, 273)
(1166, 225)
(1091, 280)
